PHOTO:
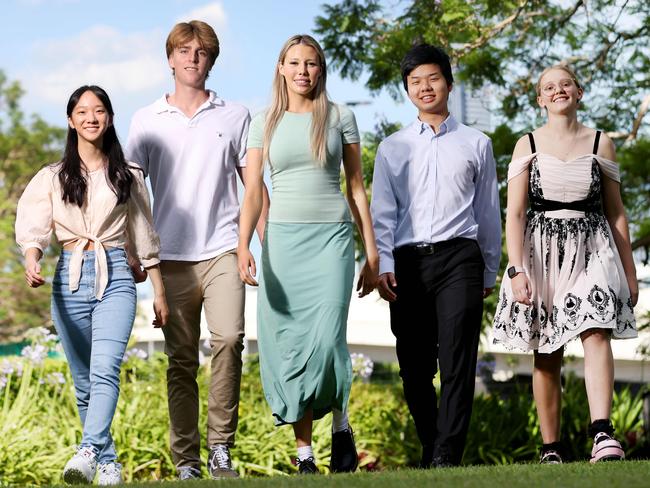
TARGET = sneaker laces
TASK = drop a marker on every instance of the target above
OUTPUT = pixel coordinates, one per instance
(306, 460)
(110, 469)
(188, 473)
(86, 452)
(601, 436)
(220, 457)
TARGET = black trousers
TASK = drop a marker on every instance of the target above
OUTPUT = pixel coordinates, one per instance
(437, 321)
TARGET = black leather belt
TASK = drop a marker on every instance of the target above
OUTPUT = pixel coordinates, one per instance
(427, 248)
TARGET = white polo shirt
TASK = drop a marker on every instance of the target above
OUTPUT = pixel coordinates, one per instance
(191, 164)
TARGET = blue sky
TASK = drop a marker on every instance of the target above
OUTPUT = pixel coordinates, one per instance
(54, 46)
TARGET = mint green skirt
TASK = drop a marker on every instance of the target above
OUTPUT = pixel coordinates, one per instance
(302, 312)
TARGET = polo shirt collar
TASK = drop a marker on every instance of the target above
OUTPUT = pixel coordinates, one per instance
(162, 105)
(448, 125)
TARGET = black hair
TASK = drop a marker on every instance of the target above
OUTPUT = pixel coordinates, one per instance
(71, 174)
(426, 54)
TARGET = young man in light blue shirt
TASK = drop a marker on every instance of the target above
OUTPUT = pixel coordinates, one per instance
(435, 208)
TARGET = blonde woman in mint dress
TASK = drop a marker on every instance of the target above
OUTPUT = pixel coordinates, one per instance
(571, 273)
(308, 250)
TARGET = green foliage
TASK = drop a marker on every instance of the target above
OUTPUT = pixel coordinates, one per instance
(39, 426)
(24, 149)
(507, 44)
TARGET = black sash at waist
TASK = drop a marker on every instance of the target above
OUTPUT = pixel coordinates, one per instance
(586, 205)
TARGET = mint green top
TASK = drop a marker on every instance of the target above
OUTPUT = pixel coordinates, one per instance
(302, 190)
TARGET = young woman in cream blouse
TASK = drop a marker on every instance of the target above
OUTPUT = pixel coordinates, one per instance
(96, 203)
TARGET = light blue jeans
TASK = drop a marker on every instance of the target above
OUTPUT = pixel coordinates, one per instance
(94, 335)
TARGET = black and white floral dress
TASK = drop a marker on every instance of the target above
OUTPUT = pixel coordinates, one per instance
(570, 256)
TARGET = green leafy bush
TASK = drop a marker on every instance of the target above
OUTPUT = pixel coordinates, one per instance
(39, 427)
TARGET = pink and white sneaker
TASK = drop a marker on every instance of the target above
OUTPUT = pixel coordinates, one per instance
(606, 449)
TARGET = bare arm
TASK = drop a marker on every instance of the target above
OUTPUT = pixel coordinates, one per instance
(615, 214)
(358, 201)
(252, 207)
(244, 175)
(160, 308)
(515, 224)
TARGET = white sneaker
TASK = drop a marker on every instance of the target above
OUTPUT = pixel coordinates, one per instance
(81, 467)
(110, 474)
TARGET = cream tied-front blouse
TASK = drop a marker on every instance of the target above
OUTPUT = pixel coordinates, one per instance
(41, 210)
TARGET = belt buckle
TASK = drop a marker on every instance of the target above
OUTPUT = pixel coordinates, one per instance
(424, 249)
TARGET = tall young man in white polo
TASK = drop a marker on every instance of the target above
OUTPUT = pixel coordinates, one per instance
(191, 144)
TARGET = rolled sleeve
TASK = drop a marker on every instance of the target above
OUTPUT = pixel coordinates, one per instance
(143, 240)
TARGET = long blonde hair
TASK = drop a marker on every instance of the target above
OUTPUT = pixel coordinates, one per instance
(280, 102)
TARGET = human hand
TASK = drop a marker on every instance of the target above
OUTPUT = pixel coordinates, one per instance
(385, 286)
(160, 310)
(368, 277)
(139, 273)
(33, 273)
(246, 265)
(487, 292)
(521, 289)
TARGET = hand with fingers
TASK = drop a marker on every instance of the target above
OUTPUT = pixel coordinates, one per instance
(521, 289)
(33, 273)
(386, 286)
(368, 278)
(246, 264)
(160, 310)
(139, 273)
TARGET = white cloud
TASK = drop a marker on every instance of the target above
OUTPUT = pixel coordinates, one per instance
(120, 63)
(212, 13)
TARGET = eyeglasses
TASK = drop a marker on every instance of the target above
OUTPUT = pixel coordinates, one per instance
(549, 89)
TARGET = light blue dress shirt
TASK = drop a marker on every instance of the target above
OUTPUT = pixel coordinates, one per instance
(430, 187)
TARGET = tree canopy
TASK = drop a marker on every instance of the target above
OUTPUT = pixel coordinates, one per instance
(25, 146)
(505, 45)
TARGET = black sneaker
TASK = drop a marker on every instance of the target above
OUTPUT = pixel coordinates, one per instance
(551, 454)
(344, 457)
(219, 463)
(442, 461)
(307, 466)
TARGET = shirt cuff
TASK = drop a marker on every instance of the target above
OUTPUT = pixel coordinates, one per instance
(386, 264)
(489, 279)
(148, 263)
(28, 245)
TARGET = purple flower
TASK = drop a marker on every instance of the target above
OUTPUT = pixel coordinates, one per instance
(35, 354)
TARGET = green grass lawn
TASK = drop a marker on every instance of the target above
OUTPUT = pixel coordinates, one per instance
(628, 474)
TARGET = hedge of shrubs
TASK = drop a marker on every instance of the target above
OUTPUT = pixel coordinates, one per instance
(39, 427)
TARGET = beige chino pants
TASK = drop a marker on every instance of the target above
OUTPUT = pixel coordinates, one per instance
(213, 284)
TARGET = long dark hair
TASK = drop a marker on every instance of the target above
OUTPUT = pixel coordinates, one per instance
(71, 174)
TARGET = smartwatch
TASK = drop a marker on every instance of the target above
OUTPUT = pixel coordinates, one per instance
(514, 271)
